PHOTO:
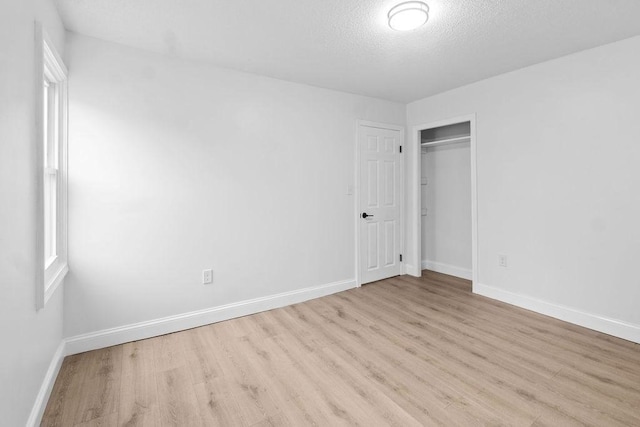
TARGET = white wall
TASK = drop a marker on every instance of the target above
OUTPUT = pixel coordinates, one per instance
(29, 338)
(446, 229)
(558, 151)
(178, 166)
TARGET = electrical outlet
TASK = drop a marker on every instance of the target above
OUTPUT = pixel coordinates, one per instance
(502, 260)
(207, 276)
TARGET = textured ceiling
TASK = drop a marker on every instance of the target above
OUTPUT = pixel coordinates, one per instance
(346, 44)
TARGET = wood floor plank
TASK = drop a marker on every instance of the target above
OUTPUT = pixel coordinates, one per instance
(168, 352)
(403, 351)
(138, 357)
(279, 357)
(278, 420)
(271, 366)
(138, 390)
(99, 397)
(218, 406)
(251, 394)
(177, 401)
(110, 420)
(138, 400)
(197, 353)
(64, 401)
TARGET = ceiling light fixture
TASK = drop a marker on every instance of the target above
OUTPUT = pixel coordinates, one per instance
(408, 15)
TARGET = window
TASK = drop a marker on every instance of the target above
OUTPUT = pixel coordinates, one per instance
(52, 166)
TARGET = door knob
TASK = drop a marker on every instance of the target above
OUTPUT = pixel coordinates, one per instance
(366, 215)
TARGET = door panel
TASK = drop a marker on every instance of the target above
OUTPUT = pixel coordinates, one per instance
(389, 183)
(380, 199)
(372, 245)
(372, 174)
(389, 239)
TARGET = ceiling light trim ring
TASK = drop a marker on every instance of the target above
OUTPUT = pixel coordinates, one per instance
(419, 9)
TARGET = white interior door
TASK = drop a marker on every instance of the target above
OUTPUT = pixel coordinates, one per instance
(379, 216)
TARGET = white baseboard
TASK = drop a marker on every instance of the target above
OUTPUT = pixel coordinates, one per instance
(47, 385)
(180, 322)
(451, 270)
(617, 328)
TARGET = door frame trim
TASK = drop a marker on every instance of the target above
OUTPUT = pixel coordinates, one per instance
(415, 217)
(356, 203)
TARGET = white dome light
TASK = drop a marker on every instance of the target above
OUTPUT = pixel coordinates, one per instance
(408, 15)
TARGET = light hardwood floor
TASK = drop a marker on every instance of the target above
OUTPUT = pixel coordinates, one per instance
(401, 352)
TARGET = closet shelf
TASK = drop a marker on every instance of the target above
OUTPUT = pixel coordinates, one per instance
(446, 141)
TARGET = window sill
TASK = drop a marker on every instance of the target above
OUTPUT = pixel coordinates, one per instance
(56, 279)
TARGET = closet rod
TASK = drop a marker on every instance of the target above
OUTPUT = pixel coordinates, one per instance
(446, 141)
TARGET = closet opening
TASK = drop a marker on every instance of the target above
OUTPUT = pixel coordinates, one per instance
(446, 195)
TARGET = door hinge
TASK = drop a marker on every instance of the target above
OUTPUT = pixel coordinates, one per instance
(400, 257)
(401, 148)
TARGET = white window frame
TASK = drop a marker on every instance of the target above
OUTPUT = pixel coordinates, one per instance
(50, 69)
